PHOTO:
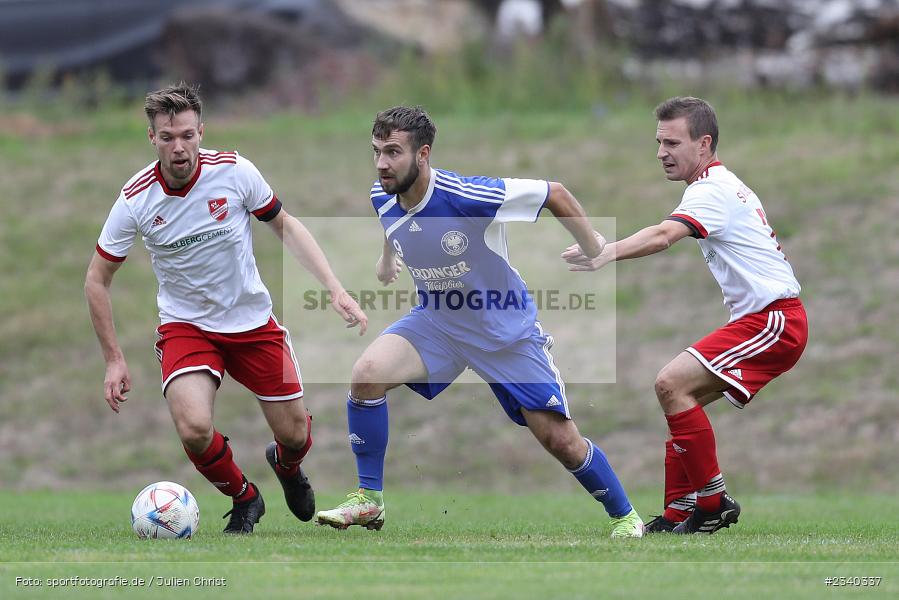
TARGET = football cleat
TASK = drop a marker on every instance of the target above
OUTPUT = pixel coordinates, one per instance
(659, 525)
(703, 522)
(297, 491)
(362, 508)
(628, 526)
(244, 515)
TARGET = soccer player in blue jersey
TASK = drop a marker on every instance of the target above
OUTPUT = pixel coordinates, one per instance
(473, 312)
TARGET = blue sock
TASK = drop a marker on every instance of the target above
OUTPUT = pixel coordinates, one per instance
(598, 478)
(367, 421)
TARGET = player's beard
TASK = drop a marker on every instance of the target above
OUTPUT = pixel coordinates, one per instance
(180, 176)
(401, 186)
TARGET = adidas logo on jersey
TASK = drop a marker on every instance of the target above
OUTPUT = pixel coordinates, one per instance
(414, 227)
(677, 448)
(355, 439)
(158, 221)
(553, 402)
(738, 373)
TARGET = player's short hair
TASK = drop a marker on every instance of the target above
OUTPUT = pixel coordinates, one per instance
(700, 115)
(412, 119)
(172, 100)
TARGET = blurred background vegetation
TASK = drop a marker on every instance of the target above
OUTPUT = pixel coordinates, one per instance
(808, 119)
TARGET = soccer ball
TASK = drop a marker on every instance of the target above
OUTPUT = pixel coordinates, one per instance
(165, 510)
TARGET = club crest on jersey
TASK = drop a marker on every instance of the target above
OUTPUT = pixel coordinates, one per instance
(218, 208)
(454, 242)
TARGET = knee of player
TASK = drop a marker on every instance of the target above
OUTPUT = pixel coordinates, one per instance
(365, 372)
(370, 378)
(196, 435)
(665, 386)
(296, 436)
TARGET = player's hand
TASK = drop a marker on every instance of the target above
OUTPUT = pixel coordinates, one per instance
(578, 261)
(349, 310)
(388, 269)
(116, 384)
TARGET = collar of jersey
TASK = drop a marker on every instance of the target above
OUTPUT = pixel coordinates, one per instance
(424, 201)
(705, 173)
(181, 192)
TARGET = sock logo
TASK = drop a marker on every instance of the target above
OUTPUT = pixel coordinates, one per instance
(599, 493)
(355, 439)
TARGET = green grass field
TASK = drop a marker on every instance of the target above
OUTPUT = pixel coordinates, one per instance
(825, 167)
(456, 545)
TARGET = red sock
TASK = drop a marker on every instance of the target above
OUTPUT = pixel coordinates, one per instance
(679, 493)
(216, 463)
(692, 433)
(289, 459)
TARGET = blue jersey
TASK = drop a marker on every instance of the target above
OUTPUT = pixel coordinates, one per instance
(454, 245)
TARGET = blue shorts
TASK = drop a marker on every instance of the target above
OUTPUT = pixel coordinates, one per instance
(521, 375)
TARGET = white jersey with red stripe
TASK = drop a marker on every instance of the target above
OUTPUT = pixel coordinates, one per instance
(200, 240)
(738, 243)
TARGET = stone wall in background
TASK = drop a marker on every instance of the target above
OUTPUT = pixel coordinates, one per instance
(240, 45)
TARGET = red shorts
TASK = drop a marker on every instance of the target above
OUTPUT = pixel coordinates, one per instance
(261, 359)
(753, 350)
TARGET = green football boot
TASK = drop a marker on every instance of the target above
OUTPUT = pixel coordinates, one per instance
(364, 508)
(628, 526)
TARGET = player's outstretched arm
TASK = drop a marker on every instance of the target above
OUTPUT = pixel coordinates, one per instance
(565, 207)
(389, 265)
(117, 381)
(309, 254)
(648, 240)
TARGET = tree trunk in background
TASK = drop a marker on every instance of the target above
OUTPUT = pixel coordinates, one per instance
(594, 22)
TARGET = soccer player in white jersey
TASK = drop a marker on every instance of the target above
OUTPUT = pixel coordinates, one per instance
(767, 331)
(473, 312)
(192, 208)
